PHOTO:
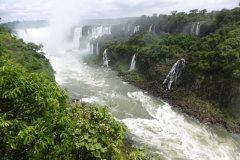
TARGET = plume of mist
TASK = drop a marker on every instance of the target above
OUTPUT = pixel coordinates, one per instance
(61, 20)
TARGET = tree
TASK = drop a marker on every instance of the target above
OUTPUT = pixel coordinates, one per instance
(194, 11)
(204, 11)
(173, 12)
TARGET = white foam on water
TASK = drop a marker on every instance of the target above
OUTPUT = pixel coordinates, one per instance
(124, 82)
(173, 136)
(94, 99)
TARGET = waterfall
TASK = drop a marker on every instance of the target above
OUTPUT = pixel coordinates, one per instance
(198, 29)
(192, 28)
(154, 29)
(123, 28)
(150, 28)
(97, 51)
(88, 32)
(128, 28)
(107, 30)
(105, 58)
(133, 62)
(91, 49)
(136, 28)
(174, 73)
(45, 53)
(195, 28)
(77, 35)
(101, 30)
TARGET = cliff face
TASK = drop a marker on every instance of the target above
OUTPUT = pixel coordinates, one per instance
(221, 91)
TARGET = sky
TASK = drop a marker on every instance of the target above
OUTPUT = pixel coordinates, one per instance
(65, 10)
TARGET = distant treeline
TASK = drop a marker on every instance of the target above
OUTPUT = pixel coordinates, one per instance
(26, 24)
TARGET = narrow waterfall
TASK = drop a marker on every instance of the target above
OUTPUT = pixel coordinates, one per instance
(154, 29)
(97, 50)
(174, 73)
(88, 33)
(88, 45)
(192, 28)
(128, 28)
(91, 49)
(198, 29)
(76, 37)
(195, 28)
(123, 28)
(45, 53)
(133, 62)
(150, 28)
(136, 28)
(105, 58)
(100, 30)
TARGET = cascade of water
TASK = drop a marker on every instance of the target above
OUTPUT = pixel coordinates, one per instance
(105, 58)
(93, 32)
(133, 62)
(154, 29)
(198, 28)
(150, 28)
(46, 54)
(99, 31)
(88, 33)
(123, 28)
(22, 34)
(106, 30)
(174, 73)
(97, 51)
(77, 35)
(136, 28)
(91, 48)
(195, 28)
(88, 46)
(192, 28)
(128, 28)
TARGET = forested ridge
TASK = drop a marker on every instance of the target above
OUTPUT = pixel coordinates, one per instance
(210, 80)
(37, 119)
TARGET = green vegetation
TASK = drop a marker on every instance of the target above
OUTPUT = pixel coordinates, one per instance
(29, 55)
(37, 120)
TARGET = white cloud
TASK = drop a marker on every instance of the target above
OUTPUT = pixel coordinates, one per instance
(12, 10)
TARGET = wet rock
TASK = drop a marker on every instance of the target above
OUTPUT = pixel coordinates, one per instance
(231, 127)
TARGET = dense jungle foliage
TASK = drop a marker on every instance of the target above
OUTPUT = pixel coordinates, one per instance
(212, 69)
(37, 120)
(29, 55)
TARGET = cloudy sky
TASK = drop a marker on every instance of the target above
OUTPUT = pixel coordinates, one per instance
(13, 10)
